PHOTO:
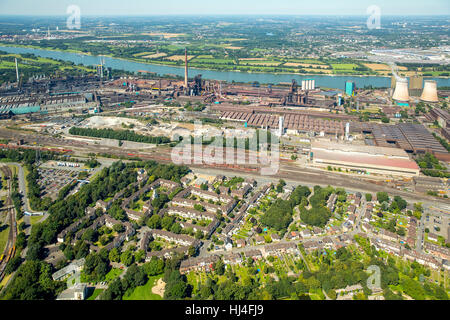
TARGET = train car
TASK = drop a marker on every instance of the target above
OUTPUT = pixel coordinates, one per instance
(1, 257)
(8, 257)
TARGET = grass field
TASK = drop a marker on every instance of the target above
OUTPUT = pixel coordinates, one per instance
(344, 66)
(145, 292)
(35, 219)
(113, 274)
(95, 294)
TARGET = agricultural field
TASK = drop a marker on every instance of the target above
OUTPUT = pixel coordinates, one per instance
(344, 67)
(179, 58)
(155, 55)
(213, 61)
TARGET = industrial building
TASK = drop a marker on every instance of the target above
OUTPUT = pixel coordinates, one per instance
(415, 85)
(411, 137)
(350, 88)
(294, 121)
(369, 159)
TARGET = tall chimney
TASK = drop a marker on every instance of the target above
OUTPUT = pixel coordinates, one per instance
(185, 69)
(17, 71)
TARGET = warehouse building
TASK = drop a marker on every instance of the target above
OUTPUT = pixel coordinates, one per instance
(370, 159)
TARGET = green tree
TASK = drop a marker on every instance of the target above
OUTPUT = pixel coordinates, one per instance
(127, 258)
(114, 255)
(154, 222)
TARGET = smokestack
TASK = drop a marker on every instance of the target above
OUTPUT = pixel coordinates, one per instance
(17, 71)
(185, 69)
(401, 90)
(280, 126)
(430, 92)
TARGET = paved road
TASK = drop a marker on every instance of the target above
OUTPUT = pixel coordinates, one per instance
(22, 185)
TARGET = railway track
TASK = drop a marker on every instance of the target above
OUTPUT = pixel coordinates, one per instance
(10, 248)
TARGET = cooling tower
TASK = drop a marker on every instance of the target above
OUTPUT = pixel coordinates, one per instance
(430, 92)
(401, 90)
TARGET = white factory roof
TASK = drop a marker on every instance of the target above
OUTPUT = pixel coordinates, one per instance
(369, 150)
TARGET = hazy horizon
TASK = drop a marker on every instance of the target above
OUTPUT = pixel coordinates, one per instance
(230, 7)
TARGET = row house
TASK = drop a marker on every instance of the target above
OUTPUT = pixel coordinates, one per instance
(187, 203)
(346, 238)
(90, 215)
(259, 240)
(306, 233)
(254, 254)
(437, 251)
(421, 258)
(388, 246)
(387, 235)
(135, 215)
(230, 229)
(433, 237)
(143, 243)
(275, 237)
(224, 190)
(233, 258)
(167, 253)
(208, 195)
(207, 231)
(241, 192)
(411, 241)
(100, 204)
(331, 203)
(368, 215)
(311, 246)
(293, 235)
(351, 209)
(180, 239)
(352, 219)
(280, 248)
(170, 185)
(328, 243)
(190, 213)
(198, 264)
(240, 243)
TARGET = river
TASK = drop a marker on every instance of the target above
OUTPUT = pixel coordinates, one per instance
(326, 81)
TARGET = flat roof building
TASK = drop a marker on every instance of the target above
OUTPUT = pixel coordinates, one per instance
(379, 160)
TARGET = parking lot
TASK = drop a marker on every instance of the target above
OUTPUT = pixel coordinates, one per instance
(52, 180)
(438, 225)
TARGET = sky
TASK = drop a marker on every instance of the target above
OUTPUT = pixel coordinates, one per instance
(209, 7)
